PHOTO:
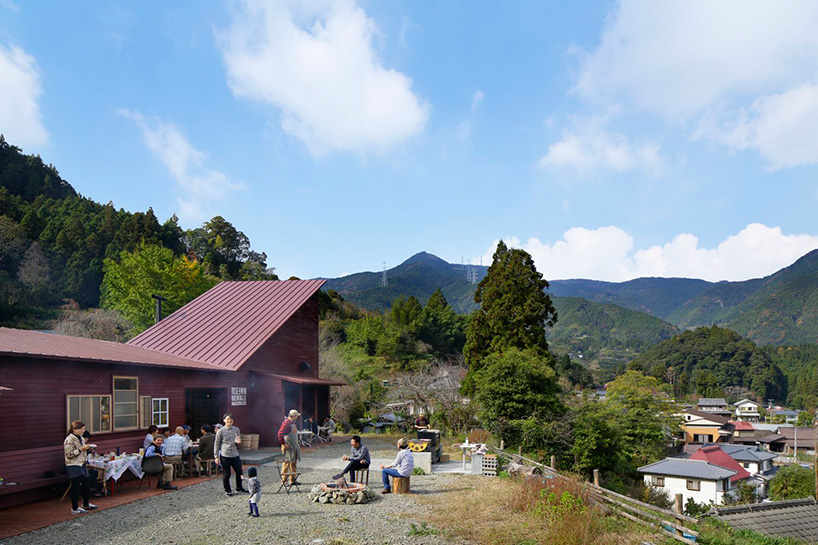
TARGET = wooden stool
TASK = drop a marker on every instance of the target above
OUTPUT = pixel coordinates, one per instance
(358, 476)
(400, 485)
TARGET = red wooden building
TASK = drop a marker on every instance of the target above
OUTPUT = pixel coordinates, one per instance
(250, 348)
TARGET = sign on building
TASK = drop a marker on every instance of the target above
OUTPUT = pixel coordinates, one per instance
(238, 396)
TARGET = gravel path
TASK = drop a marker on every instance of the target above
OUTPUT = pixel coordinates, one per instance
(201, 514)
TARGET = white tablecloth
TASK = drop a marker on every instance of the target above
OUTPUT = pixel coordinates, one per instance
(114, 469)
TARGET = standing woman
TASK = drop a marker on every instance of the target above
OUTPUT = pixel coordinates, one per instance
(225, 449)
(76, 453)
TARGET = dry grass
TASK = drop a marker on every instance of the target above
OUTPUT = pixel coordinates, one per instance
(526, 512)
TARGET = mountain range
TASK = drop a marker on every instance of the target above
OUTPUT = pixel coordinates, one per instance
(781, 308)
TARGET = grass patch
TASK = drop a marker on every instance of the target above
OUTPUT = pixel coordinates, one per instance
(527, 510)
(422, 530)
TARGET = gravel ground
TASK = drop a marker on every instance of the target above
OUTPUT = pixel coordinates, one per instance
(201, 514)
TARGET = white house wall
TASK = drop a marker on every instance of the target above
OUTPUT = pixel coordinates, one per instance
(678, 485)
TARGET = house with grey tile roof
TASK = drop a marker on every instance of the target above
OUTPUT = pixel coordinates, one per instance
(698, 479)
(793, 518)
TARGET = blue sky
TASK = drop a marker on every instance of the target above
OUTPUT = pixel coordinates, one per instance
(610, 139)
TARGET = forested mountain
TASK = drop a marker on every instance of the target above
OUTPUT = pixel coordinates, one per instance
(53, 241)
(604, 335)
(779, 309)
(418, 276)
(659, 297)
(710, 361)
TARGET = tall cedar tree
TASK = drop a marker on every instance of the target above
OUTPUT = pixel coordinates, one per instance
(514, 311)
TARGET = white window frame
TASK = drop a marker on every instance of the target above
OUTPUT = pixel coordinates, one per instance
(88, 421)
(157, 414)
(135, 414)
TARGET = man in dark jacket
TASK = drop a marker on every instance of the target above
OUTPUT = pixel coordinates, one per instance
(358, 460)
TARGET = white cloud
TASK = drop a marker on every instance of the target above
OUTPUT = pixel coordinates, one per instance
(317, 64)
(586, 150)
(753, 66)
(200, 185)
(608, 254)
(20, 119)
(783, 128)
(477, 99)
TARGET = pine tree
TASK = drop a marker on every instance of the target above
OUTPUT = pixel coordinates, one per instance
(514, 312)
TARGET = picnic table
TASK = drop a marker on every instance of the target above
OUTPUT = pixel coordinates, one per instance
(114, 469)
(305, 438)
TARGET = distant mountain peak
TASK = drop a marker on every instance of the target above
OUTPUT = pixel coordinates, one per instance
(425, 258)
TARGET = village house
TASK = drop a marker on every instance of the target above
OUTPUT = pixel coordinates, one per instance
(250, 348)
(748, 411)
(744, 432)
(706, 427)
(715, 405)
(789, 439)
(698, 479)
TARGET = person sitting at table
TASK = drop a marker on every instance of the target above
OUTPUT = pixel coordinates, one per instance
(359, 459)
(166, 433)
(311, 425)
(153, 431)
(76, 457)
(155, 449)
(206, 442)
(402, 466)
(421, 422)
(175, 446)
(191, 449)
(327, 428)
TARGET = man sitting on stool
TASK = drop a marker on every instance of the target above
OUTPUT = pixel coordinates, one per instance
(359, 459)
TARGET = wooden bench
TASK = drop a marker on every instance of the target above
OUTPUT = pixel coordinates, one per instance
(27, 467)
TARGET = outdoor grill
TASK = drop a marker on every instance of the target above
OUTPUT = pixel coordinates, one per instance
(434, 446)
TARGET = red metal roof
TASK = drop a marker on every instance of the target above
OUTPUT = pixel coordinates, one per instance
(227, 324)
(743, 426)
(716, 456)
(35, 344)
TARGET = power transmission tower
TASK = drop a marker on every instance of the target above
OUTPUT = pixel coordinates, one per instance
(384, 281)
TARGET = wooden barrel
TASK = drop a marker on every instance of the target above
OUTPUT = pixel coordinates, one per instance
(254, 443)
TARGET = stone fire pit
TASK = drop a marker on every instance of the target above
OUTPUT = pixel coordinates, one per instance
(341, 492)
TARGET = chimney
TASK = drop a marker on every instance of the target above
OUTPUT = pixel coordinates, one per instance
(159, 300)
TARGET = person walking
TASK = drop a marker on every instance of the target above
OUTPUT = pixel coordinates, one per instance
(290, 449)
(76, 456)
(225, 449)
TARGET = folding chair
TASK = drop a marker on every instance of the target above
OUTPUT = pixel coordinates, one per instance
(286, 483)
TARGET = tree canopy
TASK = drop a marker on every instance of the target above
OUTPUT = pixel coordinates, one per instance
(151, 270)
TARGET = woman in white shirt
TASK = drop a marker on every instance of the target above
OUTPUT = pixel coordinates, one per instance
(402, 466)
